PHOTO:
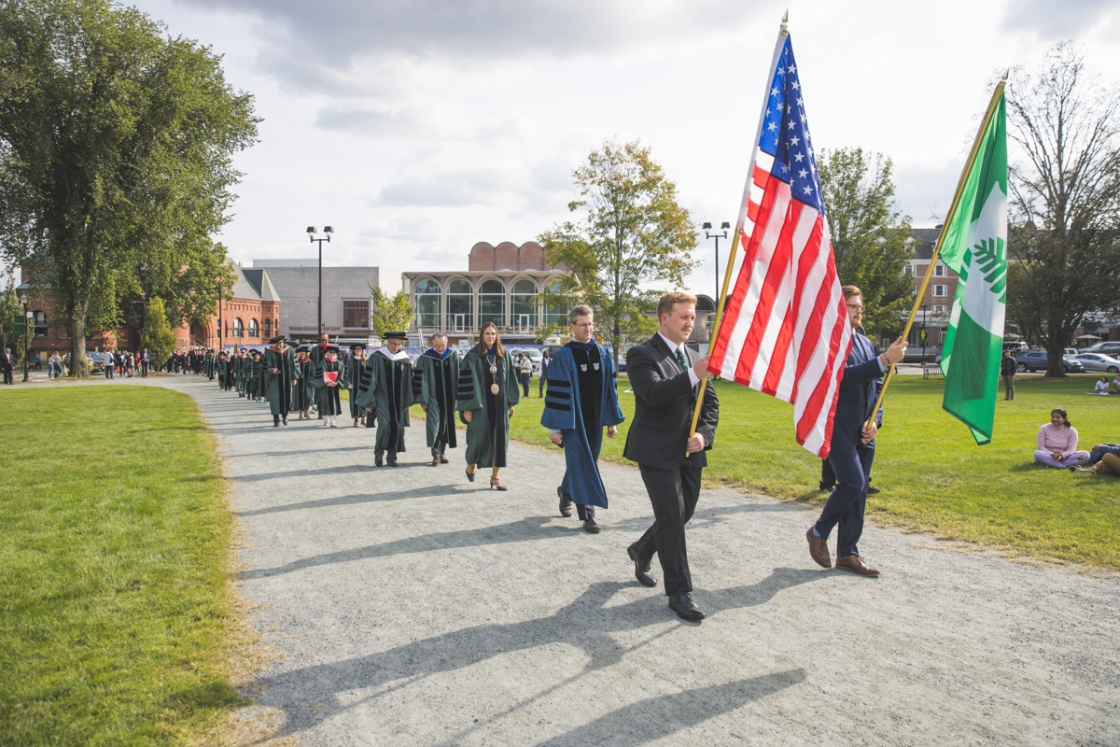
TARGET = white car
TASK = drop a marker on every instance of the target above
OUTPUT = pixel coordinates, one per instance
(1099, 362)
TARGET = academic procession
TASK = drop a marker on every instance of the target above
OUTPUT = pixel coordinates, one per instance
(733, 519)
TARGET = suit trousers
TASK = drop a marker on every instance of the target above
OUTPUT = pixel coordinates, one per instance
(8, 376)
(673, 494)
(851, 462)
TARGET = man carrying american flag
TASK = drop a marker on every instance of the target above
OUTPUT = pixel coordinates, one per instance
(788, 332)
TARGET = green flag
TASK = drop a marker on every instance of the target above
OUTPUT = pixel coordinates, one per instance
(974, 245)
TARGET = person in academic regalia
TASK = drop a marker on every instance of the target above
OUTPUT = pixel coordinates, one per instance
(582, 398)
(243, 362)
(302, 393)
(328, 377)
(354, 368)
(488, 391)
(317, 353)
(434, 385)
(220, 369)
(280, 376)
(254, 376)
(211, 365)
(389, 396)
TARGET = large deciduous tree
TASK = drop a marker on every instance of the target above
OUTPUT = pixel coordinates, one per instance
(634, 239)
(116, 146)
(871, 239)
(390, 313)
(1065, 196)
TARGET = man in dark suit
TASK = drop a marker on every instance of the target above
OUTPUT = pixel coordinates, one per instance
(666, 378)
(853, 445)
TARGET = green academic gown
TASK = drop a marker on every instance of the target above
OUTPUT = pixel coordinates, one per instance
(435, 384)
(354, 368)
(278, 386)
(488, 431)
(389, 395)
(327, 397)
(303, 394)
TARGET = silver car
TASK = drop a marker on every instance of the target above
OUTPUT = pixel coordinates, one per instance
(1099, 362)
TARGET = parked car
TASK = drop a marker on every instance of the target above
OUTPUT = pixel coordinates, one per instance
(1071, 351)
(1105, 348)
(1099, 362)
(1037, 360)
(1014, 346)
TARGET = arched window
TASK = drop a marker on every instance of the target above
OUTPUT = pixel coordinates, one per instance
(427, 303)
(254, 328)
(460, 305)
(268, 328)
(238, 328)
(555, 312)
(523, 306)
(40, 322)
(492, 303)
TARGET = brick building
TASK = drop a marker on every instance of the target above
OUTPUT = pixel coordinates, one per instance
(251, 317)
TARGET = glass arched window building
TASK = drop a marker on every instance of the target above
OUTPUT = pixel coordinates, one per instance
(427, 304)
(254, 329)
(460, 305)
(523, 305)
(492, 303)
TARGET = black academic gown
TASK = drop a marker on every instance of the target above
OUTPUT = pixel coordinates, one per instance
(435, 384)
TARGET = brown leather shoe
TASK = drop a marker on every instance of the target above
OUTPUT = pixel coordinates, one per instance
(855, 564)
(818, 549)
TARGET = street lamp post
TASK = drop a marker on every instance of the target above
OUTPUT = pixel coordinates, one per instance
(707, 228)
(28, 317)
(311, 234)
(221, 344)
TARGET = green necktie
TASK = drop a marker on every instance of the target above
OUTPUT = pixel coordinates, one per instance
(681, 359)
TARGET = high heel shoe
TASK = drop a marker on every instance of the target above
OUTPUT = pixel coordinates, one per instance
(496, 484)
(470, 476)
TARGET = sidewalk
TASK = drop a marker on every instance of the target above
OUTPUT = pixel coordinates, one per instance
(414, 608)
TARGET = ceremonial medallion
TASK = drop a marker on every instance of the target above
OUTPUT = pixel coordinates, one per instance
(493, 368)
(494, 389)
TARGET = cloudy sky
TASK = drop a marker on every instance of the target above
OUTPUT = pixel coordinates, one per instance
(419, 127)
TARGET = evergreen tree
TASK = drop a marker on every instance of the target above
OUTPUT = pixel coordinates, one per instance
(156, 335)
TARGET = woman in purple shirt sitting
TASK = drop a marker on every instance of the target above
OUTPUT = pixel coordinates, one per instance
(1057, 443)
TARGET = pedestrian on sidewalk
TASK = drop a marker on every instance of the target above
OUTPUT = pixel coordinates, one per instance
(388, 397)
(487, 394)
(435, 383)
(667, 377)
(329, 377)
(582, 400)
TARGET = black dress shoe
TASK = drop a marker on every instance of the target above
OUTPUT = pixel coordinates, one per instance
(872, 490)
(565, 502)
(685, 608)
(641, 568)
(378, 461)
(591, 527)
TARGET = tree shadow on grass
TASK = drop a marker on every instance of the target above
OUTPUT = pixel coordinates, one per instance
(309, 695)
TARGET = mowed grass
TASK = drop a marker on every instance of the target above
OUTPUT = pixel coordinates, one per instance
(933, 476)
(115, 612)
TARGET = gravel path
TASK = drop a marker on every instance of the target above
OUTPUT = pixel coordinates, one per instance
(414, 608)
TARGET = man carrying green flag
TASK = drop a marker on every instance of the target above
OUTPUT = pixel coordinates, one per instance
(974, 245)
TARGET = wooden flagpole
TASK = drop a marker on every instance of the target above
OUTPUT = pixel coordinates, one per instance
(783, 32)
(940, 239)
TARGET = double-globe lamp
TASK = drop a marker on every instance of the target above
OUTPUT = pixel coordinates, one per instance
(311, 231)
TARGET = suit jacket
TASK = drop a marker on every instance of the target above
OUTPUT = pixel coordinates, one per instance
(6, 361)
(863, 378)
(663, 403)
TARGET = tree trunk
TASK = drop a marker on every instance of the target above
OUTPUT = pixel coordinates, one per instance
(77, 329)
(1055, 348)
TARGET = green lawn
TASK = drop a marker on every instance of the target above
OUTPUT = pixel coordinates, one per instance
(932, 475)
(115, 609)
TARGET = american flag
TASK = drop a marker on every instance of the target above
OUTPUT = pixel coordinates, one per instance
(785, 328)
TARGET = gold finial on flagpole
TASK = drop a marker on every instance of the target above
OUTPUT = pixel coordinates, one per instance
(785, 22)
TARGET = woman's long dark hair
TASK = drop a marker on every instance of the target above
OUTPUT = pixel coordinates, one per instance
(1062, 412)
(483, 349)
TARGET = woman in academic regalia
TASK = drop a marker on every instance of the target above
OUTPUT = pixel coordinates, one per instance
(327, 386)
(487, 393)
(302, 393)
(354, 368)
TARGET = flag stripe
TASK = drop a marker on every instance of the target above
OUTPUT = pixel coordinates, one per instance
(785, 330)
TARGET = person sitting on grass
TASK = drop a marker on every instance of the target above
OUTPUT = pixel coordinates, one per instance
(1105, 459)
(1116, 385)
(1057, 443)
(1102, 386)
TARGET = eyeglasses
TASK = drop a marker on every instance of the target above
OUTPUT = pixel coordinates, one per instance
(856, 306)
